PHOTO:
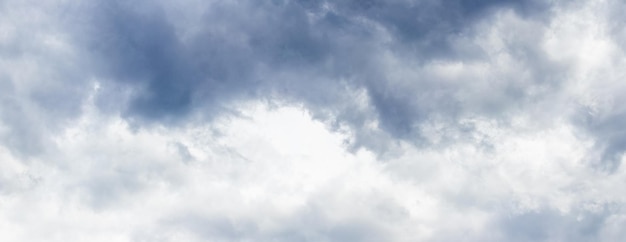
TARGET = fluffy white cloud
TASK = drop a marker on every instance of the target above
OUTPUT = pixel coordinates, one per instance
(275, 174)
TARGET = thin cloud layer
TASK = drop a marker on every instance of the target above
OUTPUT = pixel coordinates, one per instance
(311, 120)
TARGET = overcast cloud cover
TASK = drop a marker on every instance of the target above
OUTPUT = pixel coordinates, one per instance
(304, 120)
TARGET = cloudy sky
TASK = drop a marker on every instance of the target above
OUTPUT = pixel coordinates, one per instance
(307, 120)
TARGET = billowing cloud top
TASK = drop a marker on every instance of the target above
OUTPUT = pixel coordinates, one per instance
(304, 120)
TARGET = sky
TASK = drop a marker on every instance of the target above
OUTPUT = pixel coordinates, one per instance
(319, 121)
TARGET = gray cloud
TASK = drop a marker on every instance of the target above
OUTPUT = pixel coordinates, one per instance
(164, 63)
(552, 225)
(305, 51)
(486, 120)
(41, 84)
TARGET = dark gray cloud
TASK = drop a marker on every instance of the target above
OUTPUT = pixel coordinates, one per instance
(160, 62)
(304, 51)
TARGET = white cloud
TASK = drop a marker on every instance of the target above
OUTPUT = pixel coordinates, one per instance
(276, 174)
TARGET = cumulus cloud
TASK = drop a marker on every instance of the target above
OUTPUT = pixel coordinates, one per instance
(298, 120)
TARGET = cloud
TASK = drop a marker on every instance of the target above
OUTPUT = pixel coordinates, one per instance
(225, 186)
(311, 120)
(313, 53)
(163, 63)
(243, 179)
